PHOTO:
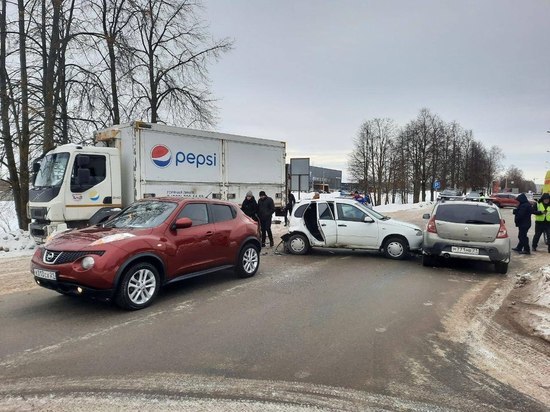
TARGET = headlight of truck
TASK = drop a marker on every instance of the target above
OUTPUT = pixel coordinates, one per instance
(87, 262)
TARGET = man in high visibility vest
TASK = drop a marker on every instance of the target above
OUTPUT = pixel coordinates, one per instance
(542, 220)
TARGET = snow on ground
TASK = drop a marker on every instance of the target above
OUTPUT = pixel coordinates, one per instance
(13, 241)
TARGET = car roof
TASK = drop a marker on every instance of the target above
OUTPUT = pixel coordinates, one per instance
(466, 203)
(175, 199)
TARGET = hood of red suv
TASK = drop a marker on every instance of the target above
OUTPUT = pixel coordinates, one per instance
(93, 238)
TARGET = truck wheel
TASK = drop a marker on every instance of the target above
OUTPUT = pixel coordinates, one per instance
(396, 248)
(249, 261)
(298, 244)
(139, 287)
(501, 267)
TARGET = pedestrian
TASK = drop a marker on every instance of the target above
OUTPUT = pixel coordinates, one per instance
(542, 220)
(522, 220)
(358, 197)
(266, 208)
(290, 202)
(250, 206)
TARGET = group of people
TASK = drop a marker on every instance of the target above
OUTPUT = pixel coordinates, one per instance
(522, 219)
(262, 211)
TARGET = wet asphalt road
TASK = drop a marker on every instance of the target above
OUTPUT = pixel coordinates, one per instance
(333, 319)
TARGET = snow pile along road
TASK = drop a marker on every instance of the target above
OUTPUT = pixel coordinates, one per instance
(13, 241)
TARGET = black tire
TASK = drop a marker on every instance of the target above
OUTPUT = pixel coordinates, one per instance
(501, 267)
(297, 244)
(139, 286)
(396, 248)
(428, 260)
(249, 261)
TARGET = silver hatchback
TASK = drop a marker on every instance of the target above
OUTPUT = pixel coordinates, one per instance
(466, 230)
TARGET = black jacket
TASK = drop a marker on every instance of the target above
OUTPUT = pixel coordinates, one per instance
(266, 208)
(522, 213)
(250, 208)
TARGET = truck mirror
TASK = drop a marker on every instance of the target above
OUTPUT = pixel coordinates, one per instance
(36, 167)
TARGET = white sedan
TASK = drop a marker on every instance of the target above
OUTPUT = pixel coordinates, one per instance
(346, 223)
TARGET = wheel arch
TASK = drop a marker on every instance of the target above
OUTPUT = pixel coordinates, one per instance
(151, 258)
(389, 236)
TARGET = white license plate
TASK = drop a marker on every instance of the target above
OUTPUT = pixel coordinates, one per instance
(465, 250)
(45, 274)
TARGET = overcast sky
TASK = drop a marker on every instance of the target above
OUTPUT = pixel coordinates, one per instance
(309, 72)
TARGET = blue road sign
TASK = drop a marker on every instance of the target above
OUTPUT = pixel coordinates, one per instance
(437, 185)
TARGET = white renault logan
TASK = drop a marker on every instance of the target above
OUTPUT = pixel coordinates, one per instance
(346, 223)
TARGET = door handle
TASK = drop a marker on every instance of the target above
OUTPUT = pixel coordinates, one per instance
(209, 233)
(323, 224)
(342, 225)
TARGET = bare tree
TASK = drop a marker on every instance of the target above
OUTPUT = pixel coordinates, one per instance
(172, 51)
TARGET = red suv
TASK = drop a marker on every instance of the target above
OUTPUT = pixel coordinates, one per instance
(151, 243)
(504, 199)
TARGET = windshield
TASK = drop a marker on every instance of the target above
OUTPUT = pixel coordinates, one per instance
(52, 170)
(142, 215)
(372, 212)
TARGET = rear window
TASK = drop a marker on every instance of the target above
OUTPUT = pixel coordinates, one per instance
(473, 214)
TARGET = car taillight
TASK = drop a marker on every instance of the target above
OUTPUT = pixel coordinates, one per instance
(431, 225)
(502, 232)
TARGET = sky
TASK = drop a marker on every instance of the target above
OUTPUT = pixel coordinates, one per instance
(310, 72)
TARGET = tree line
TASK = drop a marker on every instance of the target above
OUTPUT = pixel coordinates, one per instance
(392, 162)
(68, 67)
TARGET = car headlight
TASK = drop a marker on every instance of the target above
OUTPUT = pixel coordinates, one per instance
(88, 262)
(111, 238)
(418, 232)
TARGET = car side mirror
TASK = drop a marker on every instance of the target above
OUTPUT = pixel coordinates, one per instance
(426, 216)
(183, 223)
(368, 219)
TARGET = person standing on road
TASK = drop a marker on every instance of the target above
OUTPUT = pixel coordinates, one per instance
(522, 220)
(266, 208)
(291, 201)
(542, 220)
(250, 206)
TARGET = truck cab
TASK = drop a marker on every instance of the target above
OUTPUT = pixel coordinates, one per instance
(73, 186)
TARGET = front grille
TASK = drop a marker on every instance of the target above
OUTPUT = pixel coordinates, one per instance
(38, 213)
(52, 257)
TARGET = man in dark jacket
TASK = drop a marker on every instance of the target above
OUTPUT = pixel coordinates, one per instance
(290, 202)
(250, 206)
(542, 220)
(266, 208)
(523, 223)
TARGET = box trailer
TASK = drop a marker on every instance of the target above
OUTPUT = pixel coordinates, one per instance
(76, 185)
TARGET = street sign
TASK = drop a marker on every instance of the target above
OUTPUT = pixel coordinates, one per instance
(437, 185)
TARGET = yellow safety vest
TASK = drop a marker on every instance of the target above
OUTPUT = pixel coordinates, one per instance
(545, 211)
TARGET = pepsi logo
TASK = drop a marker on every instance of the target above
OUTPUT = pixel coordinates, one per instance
(161, 155)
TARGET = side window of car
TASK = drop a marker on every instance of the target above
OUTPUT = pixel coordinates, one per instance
(222, 213)
(197, 212)
(324, 212)
(299, 212)
(349, 213)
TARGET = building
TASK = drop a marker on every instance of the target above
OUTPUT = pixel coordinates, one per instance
(322, 179)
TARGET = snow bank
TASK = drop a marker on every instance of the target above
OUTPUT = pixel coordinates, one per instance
(13, 241)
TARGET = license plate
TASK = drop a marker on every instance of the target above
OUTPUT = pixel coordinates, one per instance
(45, 274)
(465, 250)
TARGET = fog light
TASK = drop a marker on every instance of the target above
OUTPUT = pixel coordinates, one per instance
(79, 289)
(37, 281)
(88, 262)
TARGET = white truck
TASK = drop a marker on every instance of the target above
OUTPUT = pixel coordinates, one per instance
(76, 186)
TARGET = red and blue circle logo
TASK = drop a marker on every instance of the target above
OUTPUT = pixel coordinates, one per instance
(161, 155)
